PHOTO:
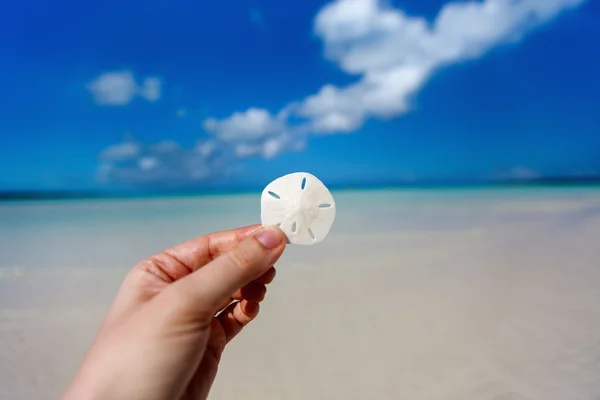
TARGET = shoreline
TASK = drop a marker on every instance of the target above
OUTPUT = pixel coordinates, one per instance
(18, 197)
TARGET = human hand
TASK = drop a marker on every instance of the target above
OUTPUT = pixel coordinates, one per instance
(162, 338)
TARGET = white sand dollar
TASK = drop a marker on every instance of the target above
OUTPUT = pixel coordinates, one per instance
(300, 205)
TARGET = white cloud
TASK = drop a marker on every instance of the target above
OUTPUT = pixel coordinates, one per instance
(148, 163)
(253, 124)
(206, 148)
(382, 94)
(396, 54)
(121, 152)
(165, 147)
(393, 55)
(150, 89)
(255, 132)
(164, 163)
(119, 88)
(269, 147)
(113, 88)
(366, 36)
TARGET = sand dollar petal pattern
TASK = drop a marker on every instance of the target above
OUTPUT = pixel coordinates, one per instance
(301, 205)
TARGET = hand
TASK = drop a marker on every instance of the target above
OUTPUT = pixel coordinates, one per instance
(162, 338)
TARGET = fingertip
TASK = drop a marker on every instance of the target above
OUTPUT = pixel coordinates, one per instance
(250, 308)
(271, 237)
(254, 291)
(268, 276)
(245, 312)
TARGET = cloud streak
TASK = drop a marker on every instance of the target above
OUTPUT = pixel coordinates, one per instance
(392, 54)
(165, 163)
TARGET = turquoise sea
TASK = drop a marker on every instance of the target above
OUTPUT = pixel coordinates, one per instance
(64, 228)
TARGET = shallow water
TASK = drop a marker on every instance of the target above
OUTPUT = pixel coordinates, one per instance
(83, 233)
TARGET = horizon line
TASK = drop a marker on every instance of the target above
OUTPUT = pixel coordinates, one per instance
(64, 194)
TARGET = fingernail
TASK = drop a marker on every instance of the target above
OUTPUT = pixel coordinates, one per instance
(270, 237)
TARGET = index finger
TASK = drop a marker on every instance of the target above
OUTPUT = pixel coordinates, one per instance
(185, 258)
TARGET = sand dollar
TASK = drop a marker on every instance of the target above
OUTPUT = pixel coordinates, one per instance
(300, 205)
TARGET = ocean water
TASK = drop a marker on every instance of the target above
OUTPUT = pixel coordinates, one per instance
(88, 233)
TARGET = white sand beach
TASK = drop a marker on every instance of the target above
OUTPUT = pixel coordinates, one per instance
(483, 295)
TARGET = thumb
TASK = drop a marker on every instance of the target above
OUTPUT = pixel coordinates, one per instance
(206, 289)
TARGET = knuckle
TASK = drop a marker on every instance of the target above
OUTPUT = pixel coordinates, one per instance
(242, 257)
(157, 265)
(167, 266)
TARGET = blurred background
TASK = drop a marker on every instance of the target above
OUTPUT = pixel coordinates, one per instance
(461, 141)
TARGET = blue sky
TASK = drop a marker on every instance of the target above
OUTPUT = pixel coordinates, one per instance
(203, 94)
